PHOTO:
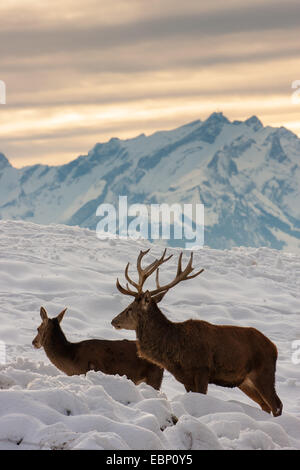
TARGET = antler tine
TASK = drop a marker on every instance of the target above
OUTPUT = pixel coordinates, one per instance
(189, 269)
(163, 255)
(179, 266)
(196, 274)
(189, 266)
(181, 275)
(159, 288)
(143, 273)
(146, 272)
(140, 257)
(156, 278)
(134, 284)
(153, 266)
(125, 291)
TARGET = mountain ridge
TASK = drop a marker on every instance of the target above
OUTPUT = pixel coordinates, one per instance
(245, 174)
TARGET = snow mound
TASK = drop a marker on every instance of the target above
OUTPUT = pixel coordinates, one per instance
(57, 266)
(96, 411)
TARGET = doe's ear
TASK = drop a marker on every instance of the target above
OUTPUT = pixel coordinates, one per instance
(43, 314)
(157, 298)
(60, 316)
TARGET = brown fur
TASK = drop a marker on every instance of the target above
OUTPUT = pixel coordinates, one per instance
(198, 353)
(110, 357)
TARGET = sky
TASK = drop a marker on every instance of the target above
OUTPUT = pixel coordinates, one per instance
(78, 73)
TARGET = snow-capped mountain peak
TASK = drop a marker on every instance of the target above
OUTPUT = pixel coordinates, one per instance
(4, 163)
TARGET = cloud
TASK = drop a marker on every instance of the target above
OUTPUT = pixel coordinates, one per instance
(120, 68)
(77, 37)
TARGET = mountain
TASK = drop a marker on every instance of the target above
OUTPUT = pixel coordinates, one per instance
(247, 175)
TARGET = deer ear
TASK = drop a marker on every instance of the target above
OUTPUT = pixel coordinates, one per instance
(157, 298)
(147, 297)
(43, 314)
(60, 316)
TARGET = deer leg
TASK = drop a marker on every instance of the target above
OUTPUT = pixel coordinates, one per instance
(201, 381)
(194, 381)
(189, 386)
(154, 377)
(264, 382)
(188, 382)
(248, 388)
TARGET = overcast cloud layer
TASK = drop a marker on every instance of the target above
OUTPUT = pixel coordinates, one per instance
(79, 73)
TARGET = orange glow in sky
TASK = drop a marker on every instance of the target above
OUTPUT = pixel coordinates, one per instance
(77, 74)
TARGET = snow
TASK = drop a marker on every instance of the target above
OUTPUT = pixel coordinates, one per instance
(245, 174)
(58, 266)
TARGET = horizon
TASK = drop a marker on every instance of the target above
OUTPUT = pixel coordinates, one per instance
(75, 157)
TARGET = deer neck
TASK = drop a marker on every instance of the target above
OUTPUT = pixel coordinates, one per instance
(57, 348)
(154, 330)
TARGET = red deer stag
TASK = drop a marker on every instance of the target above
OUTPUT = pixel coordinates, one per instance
(194, 351)
(110, 357)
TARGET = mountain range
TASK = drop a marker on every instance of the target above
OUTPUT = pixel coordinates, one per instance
(246, 174)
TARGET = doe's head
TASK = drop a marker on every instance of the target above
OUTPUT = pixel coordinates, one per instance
(45, 327)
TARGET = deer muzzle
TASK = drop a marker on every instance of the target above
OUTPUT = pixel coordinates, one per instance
(115, 324)
(36, 344)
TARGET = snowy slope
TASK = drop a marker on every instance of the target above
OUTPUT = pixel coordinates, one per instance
(58, 266)
(247, 175)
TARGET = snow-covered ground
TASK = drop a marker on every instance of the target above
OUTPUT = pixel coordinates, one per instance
(58, 266)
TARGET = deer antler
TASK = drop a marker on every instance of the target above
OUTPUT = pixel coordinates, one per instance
(181, 275)
(143, 273)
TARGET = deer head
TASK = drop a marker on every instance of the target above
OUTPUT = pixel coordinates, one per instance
(143, 301)
(45, 327)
